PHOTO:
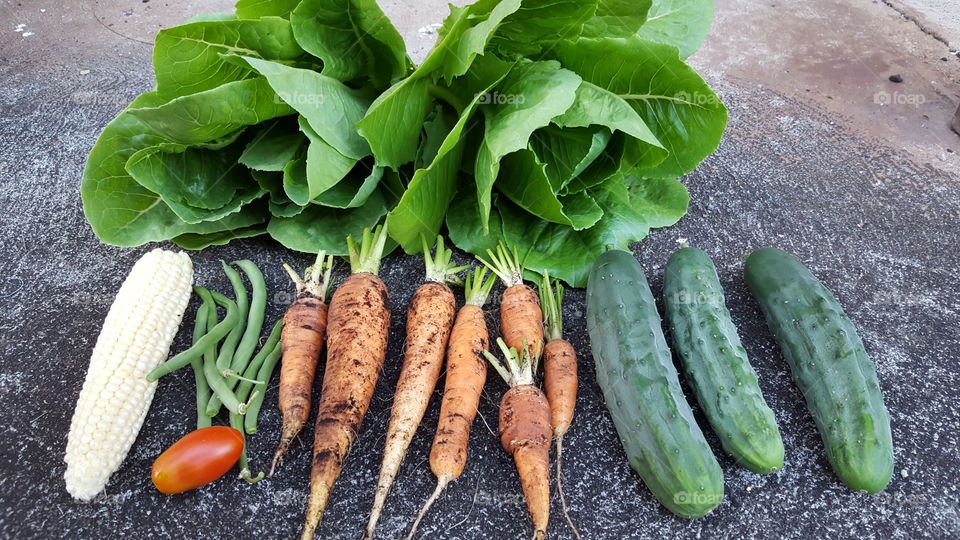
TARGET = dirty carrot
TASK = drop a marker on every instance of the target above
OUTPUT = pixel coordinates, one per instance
(304, 330)
(466, 375)
(429, 320)
(525, 431)
(559, 376)
(357, 331)
(521, 321)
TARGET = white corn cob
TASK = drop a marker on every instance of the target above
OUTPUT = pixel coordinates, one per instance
(135, 338)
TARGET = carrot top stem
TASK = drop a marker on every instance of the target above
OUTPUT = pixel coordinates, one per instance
(438, 267)
(367, 258)
(551, 301)
(505, 264)
(516, 368)
(316, 278)
(477, 286)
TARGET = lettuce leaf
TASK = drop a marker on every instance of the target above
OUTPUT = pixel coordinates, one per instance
(559, 127)
(616, 18)
(189, 58)
(419, 214)
(353, 38)
(530, 96)
(684, 114)
(567, 253)
(681, 23)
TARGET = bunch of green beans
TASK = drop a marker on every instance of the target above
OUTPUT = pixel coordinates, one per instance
(226, 370)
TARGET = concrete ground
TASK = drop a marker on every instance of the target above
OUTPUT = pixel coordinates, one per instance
(939, 18)
(824, 156)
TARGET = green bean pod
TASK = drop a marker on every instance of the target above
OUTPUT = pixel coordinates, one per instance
(221, 389)
(213, 337)
(200, 328)
(236, 422)
(264, 376)
(227, 350)
(253, 368)
(234, 341)
(255, 314)
(210, 355)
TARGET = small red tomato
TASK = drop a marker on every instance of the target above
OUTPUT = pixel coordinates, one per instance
(197, 459)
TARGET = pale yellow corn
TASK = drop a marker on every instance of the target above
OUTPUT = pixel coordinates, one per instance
(135, 338)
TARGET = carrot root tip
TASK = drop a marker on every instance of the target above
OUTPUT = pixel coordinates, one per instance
(441, 485)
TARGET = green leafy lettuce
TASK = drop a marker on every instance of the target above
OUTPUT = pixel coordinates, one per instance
(560, 127)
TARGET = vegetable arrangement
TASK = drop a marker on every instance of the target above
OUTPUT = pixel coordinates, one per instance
(559, 128)
(663, 442)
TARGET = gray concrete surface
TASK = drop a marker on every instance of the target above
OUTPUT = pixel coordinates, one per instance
(838, 56)
(874, 215)
(940, 18)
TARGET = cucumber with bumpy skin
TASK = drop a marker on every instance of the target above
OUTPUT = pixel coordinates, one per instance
(830, 366)
(641, 389)
(716, 364)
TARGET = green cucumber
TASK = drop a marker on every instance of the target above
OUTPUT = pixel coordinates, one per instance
(830, 366)
(716, 364)
(641, 389)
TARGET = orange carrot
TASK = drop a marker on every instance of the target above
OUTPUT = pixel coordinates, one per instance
(521, 321)
(559, 377)
(525, 431)
(301, 341)
(357, 332)
(466, 375)
(429, 320)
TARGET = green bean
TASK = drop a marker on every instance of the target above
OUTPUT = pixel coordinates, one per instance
(203, 391)
(253, 368)
(221, 389)
(265, 374)
(258, 305)
(210, 355)
(213, 337)
(214, 404)
(236, 422)
(227, 350)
